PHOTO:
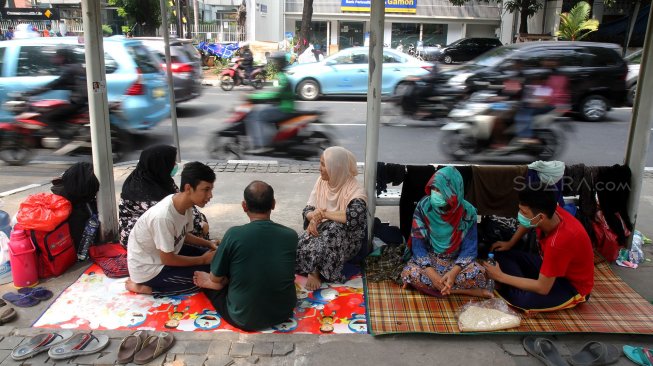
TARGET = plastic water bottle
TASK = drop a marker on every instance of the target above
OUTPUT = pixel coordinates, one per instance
(5, 223)
(87, 237)
(492, 262)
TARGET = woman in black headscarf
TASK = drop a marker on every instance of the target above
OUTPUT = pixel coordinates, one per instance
(148, 184)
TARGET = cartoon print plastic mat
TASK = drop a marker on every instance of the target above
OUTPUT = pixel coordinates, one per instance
(613, 308)
(96, 302)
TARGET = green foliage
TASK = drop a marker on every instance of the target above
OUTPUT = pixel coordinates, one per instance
(531, 7)
(576, 24)
(145, 13)
(219, 64)
(125, 29)
(106, 30)
(271, 71)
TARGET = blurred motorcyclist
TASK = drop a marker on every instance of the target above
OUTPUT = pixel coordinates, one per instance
(247, 62)
(72, 78)
(279, 105)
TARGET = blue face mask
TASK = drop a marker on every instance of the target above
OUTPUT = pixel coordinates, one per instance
(525, 221)
(437, 199)
(174, 170)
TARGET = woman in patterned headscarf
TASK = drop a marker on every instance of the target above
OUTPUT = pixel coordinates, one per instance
(444, 241)
(334, 218)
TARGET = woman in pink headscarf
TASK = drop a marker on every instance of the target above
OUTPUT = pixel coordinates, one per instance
(335, 219)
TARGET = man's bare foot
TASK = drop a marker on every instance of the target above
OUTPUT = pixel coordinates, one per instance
(203, 280)
(477, 292)
(137, 288)
(313, 282)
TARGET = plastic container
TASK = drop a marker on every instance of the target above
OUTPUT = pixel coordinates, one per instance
(22, 254)
(5, 223)
(492, 262)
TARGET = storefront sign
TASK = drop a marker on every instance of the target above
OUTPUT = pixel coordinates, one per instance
(391, 6)
(29, 14)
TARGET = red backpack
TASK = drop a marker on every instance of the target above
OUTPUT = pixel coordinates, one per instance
(55, 249)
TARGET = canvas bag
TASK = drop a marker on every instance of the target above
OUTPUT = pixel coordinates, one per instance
(112, 258)
(55, 250)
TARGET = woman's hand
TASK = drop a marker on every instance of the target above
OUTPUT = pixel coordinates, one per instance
(447, 281)
(319, 215)
(501, 246)
(493, 271)
(312, 228)
(435, 278)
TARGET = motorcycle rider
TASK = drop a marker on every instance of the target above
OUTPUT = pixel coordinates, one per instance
(247, 62)
(73, 78)
(279, 104)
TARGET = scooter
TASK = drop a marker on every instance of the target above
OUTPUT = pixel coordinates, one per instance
(472, 130)
(235, 75)
(423, 98)
(302, 136)
(20, 139)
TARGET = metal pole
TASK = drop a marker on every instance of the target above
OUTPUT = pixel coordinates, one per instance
(196, 21)
(171, 86)
(373, 108)
(98, 106)
(640, 126)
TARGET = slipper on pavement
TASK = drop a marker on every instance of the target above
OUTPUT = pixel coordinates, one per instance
(39, 293)
(130, 345)
(639, 355)
(544, 350)
(154, 347)
(79, 344)
(20, 300)
(39, 343)
(595, 354)
(7, 315)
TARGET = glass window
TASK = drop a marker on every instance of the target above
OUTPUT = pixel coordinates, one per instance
(635, 58)
(2, 59)
(144, 61)
(359, 57)
(601, 56)
(434, 35)
(391, 58)
(343, 58)
(317, 35)
(494, 57)
(406, 33)
(36, 61)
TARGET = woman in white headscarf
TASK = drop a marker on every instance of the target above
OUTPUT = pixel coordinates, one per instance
(335, 220)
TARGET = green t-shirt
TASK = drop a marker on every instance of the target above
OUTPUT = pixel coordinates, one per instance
(259, 260)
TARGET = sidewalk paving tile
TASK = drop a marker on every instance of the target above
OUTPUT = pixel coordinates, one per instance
(199, 347)
(178, 347)
(514, 349)
(170, 357)
(263, 348)
(241, 349)
(6, 330)
(86, 359)
(4, 353)
(252, 359)
(527, 361)
(37, 360)
(282, 348)
(219, 347)
(219, 360)
(107, 359)
(192, 360)
(10, 342)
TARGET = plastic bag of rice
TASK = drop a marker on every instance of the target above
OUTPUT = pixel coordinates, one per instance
(488, 315)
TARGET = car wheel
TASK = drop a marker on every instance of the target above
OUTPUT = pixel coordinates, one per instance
(594, 108)
(448, 59)
(402, 88)
(630, 98)
(308, 90)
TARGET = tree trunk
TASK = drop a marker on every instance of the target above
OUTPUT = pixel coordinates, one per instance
(307, 16)
(523, 22)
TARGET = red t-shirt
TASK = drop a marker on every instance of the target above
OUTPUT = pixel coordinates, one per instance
(567, 252)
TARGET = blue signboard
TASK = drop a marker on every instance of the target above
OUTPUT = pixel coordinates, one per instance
(391, 6)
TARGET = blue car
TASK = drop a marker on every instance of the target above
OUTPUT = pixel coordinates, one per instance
(346, 73)
(134, 77)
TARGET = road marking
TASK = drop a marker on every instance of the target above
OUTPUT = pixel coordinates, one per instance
(18, 190)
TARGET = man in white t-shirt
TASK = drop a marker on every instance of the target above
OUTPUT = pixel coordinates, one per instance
(159, 262)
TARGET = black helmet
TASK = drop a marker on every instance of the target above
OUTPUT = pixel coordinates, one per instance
(67, 54)
(280, 60)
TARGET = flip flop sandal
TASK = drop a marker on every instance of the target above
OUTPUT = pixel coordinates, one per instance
(22, 301)
(154, 347)
(2, 303)
(78, 345)
(595, 354)
(7, 314)
(39, 293)
(639, 355)
(130, 345)
(544, 350)
(39, 343)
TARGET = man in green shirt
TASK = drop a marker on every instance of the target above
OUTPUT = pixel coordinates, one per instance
(252, 279)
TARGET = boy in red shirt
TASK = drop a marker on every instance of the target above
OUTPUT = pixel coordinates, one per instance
(562, 275)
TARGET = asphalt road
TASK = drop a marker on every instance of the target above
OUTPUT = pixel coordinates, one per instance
(401, 140)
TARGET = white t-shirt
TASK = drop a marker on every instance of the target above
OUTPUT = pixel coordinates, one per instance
(161, 228)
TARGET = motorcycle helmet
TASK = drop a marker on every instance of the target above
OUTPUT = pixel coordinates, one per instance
(280, 60)
(67, 55)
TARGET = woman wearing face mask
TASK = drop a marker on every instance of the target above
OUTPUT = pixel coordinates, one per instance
(148, 184)
(444, 241)
(562, 274)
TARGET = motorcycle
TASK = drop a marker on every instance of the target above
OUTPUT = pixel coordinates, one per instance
(472, 131)
(235, 75)
(301, 136)
(424, 98)
(20, 139)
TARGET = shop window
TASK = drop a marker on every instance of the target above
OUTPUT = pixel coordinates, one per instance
(317, 35)
(434, 34)
(406, 33)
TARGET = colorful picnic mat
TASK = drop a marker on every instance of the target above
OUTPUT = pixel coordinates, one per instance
(614, 307)
(96, 302)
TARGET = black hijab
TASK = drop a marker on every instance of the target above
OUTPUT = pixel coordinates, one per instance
(151, 180)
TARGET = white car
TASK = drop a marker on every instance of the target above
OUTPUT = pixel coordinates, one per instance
(634, 59)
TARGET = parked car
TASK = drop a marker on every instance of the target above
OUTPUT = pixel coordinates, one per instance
(134, 76)
(634, 59)
(186, 65)
(463, 49)
(346, 73)
(596, 72)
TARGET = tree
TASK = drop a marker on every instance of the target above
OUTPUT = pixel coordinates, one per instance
(576, 24)
(145, 13)
(242, 20)
(304, 30)
(525, 8)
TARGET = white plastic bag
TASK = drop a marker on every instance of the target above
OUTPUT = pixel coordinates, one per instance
(486, 316)
(4, 254)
